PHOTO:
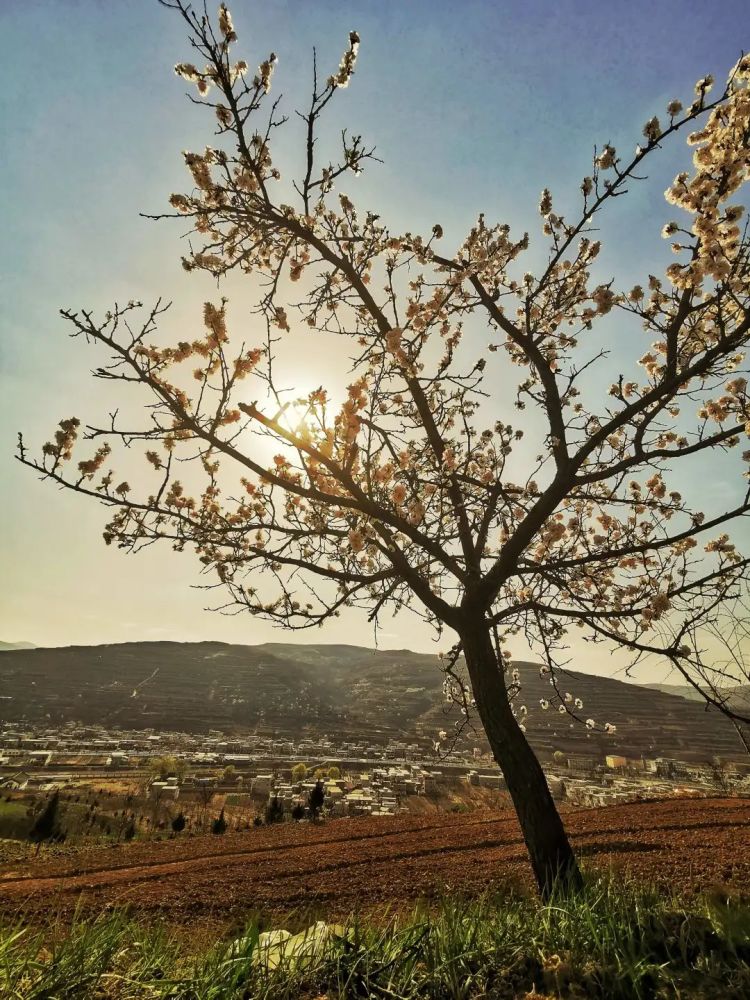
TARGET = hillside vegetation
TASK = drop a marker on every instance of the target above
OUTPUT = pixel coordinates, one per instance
(341, 691)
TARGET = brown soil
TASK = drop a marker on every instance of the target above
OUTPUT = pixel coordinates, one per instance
(338, 867)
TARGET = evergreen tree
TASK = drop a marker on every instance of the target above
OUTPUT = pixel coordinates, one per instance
(179, 822)
(317, 799)
(274, 810)
(46, 825)
(219, 826)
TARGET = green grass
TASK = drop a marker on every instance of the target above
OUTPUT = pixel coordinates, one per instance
(238, 799)
(14, 823)
(615, 940)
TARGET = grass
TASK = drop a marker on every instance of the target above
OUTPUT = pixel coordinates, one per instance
(13, 819)
(614, 940)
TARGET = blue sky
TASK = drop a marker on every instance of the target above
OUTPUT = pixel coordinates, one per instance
(474, 106)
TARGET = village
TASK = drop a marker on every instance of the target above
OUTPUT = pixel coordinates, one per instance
(357, 778)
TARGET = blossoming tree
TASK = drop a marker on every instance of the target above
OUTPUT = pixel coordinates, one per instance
(401, 491)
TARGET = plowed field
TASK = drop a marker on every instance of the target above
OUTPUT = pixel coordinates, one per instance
(365, 864)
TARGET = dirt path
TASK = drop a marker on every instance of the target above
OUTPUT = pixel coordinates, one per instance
(342, 866)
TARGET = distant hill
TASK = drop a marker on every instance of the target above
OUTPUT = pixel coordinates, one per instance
(347, 692)
(739, 697)
(678, 690)
(16, 645)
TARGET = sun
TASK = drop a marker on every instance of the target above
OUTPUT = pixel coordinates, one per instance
(305, 408)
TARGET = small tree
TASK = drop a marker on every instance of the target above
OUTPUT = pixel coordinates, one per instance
(205, 792)
(400, 490)
(156, 794)
(298, 811)
(165, 766)
(274, 810)
(179, 822)
(334, 773)
(299, 772)
(316, 799)
(229, 774)
(721, 774)
(46, 825)
(129, 831)
(219, 825)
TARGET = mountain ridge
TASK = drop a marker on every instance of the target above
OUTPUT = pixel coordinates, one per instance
(345, 691)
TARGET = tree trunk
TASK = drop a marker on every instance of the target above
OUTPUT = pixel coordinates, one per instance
(551, 855)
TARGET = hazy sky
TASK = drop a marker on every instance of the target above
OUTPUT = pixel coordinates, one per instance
(474, 106)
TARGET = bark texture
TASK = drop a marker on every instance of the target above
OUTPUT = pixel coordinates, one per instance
(552, 858)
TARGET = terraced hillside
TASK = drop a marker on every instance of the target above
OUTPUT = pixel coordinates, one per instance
(342, 691)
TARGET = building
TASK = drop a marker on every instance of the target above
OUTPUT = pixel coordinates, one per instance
(17, 781)
(163, 790)
(615, 761)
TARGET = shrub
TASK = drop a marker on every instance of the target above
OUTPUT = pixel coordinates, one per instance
(274, 810)
(219, 825)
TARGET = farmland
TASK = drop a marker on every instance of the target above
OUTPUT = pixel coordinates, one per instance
(370, 865)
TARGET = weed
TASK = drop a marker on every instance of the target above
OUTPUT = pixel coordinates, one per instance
(613, 940)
